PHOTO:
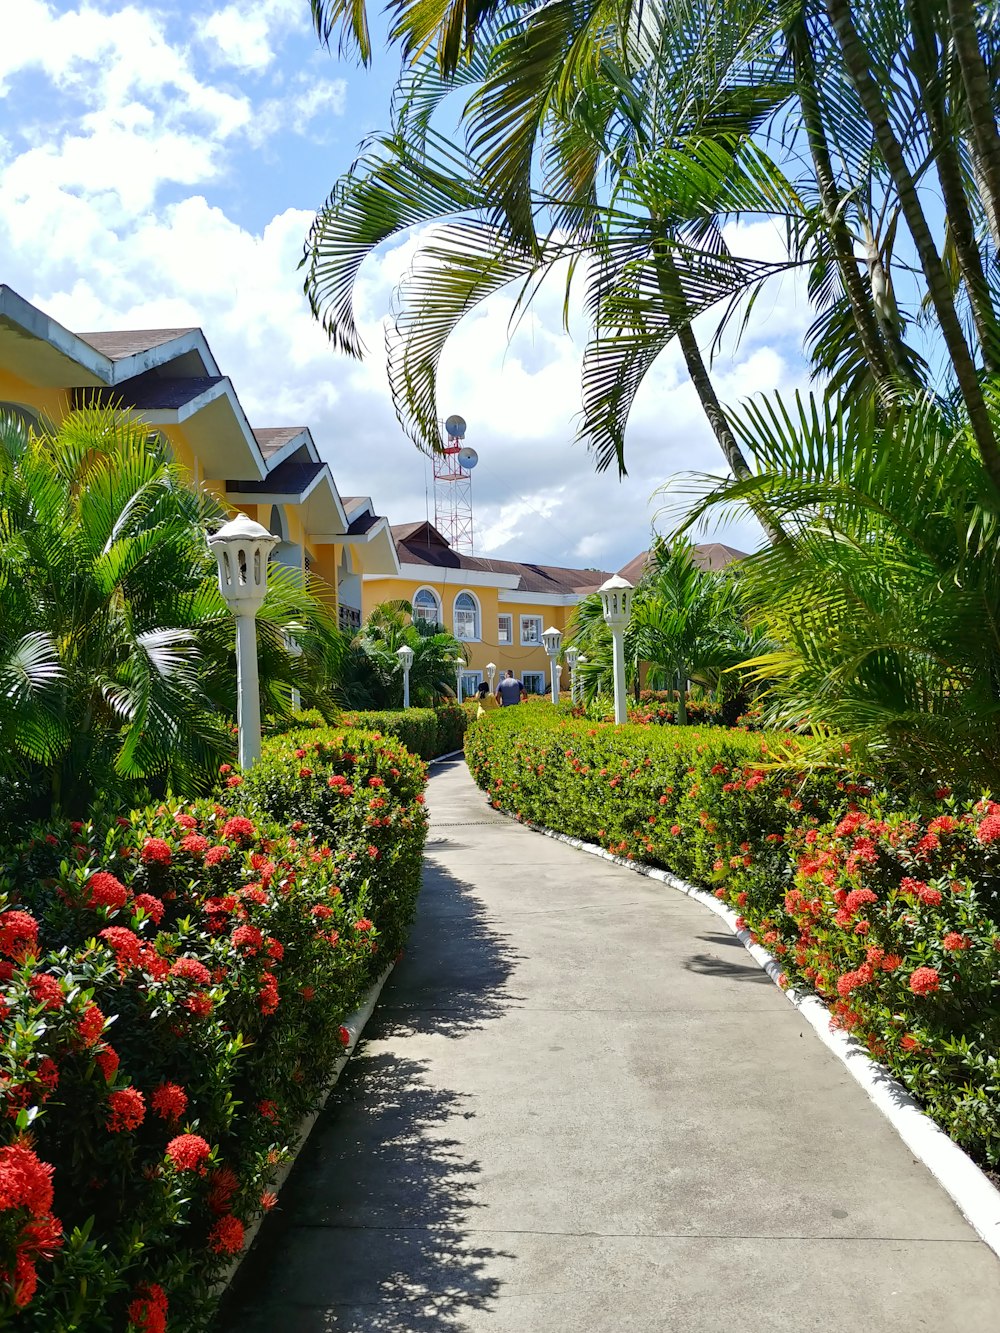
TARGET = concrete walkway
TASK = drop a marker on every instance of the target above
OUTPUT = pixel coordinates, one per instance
(581, 1108)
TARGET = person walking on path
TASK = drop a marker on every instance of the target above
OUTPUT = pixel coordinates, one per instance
(486, 700)
(510, 690)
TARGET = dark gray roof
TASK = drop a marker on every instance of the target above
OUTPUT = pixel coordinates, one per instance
(151, 392)
(422, 544)
(363, 523)
(292, 477)
(272, 438)
(119, 343)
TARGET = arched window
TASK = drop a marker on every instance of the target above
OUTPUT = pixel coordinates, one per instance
(466, 616)
(426, 607)
(26, 415)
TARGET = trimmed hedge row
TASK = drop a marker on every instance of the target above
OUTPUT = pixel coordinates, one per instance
(886, 903)
(172, 991)
(427, 732)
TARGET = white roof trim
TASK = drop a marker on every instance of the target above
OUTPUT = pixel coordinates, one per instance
(541, 598)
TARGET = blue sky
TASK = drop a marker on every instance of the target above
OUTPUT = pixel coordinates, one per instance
(160, 165)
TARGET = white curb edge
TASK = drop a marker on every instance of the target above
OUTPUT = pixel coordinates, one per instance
(355, 1025)
(957, 1174)
(440, 758)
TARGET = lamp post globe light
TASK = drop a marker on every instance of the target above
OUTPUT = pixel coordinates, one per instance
(405, 655)
(491, 674)
(616, 603)
(241, 549)
(552, 642)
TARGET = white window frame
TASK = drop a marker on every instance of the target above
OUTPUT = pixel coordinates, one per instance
(475, 637)
(503, 642)
(438, 617)
(528, 642)
(471, 680)
(538, 676)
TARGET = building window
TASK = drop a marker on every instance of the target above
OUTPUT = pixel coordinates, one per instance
(466, 616)
(531, 631)
(349, 618)
(505, 630)
(426, 607)
(25, 415)
(534, 681)
(470, 683)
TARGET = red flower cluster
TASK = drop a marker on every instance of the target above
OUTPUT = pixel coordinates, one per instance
(126, 1110)
(148, 1311)
(238, 829)
(26, 1188)
(18, 935)
(45, 989)
(153, 907)
(155, 851)
(191, 969)
(226, 1236)
(105, 890)
(188, 1152)
(925, 981)
(169, 1102)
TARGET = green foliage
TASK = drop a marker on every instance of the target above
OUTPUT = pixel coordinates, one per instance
(416, 728)
(372, 678)
(116, 649)
(886, 903)
(186, 972)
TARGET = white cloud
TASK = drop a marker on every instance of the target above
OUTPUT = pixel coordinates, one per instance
(247, 35)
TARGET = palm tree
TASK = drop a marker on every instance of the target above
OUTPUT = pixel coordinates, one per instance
(115, 645)
(375, 680)
(885, 602)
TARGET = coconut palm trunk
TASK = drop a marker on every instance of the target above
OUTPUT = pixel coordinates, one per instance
(980, 95)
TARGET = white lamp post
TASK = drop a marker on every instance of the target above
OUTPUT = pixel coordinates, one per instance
(241, 549)
(571, 655)
(459, 668)
(405, 655)
(491, 673)
(558, 680)
(579, 662)
(552, 642)
(616, 601)
(294, 649)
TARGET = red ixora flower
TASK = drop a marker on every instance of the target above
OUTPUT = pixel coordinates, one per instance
(125, 945)
(188, 1152)
(191, 969)
(169, 1101)
(147, 1312)
(25, 1181)
(153, 907)
(954, 942)
(156, 852)
(248, 938)
(222, 1185)
(857, 898)
(91, 1025)
(924, 981)
(268, 1109)
(46, 990)
(18, 935)
(127, 1110)
(107, 1062)
(226, 1236)
(345, 1036)
(238, 828)
(362, 924)
(105, 890)
(215, 854)
(196, 844)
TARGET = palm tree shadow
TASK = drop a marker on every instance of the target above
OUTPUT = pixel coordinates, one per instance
(371, 1232)
(740, 967)
(453, 979)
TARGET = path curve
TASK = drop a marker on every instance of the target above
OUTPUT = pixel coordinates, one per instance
(581, 1108)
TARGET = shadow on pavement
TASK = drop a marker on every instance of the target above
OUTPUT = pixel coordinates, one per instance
(739, 968)
(370, 1235)
(453, 978)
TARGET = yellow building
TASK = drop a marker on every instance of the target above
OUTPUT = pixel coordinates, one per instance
(497, 608)
(169, 379)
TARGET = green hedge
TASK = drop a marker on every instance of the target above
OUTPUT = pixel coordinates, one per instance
(885, 902)
(427, 732)
(172, 994)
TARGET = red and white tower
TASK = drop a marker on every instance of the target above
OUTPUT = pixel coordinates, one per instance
(453, 487)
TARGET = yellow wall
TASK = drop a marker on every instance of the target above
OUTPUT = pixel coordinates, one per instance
(514, 656)
(50, 403)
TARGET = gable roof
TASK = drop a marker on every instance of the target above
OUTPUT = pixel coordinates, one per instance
(708, 555)
(422, 544)
(119, 343)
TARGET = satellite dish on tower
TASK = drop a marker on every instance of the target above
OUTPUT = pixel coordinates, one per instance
(467, 458)
(455, 426)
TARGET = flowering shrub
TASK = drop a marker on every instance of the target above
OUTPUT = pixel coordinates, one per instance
(172, 996)
(885, 903)
(416, 728)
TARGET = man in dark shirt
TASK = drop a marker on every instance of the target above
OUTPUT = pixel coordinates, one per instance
(510, 691)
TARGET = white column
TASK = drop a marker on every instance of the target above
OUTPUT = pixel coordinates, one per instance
(247, 690)
(621, 712)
